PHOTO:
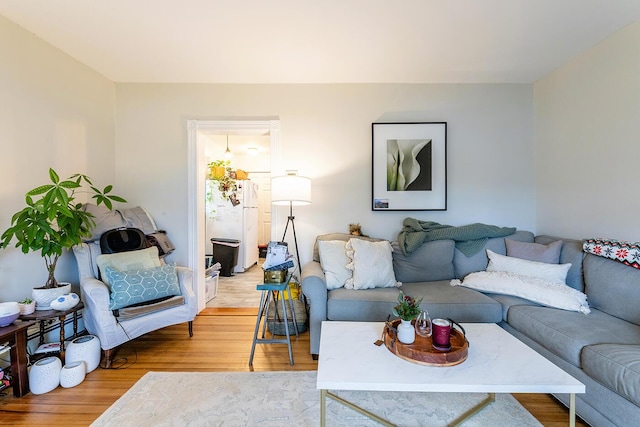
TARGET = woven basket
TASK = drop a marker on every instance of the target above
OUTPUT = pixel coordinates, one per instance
(277, 327)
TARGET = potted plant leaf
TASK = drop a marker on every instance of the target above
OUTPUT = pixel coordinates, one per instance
(52, 221)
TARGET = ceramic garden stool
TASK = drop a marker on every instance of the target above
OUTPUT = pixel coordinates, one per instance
(268, 292)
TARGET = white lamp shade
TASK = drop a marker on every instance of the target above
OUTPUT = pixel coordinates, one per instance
(290, 189)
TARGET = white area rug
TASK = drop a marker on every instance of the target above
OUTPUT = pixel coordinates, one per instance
(276, 399)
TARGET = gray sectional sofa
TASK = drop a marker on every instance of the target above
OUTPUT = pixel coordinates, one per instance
(600, 349)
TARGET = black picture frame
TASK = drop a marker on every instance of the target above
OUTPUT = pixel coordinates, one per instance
(409, 166)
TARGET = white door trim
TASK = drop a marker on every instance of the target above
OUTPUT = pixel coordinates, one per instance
(196, 182)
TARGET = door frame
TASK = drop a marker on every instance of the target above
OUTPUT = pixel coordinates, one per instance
(196, 185)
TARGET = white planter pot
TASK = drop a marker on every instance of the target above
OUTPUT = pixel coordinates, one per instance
(43, 297)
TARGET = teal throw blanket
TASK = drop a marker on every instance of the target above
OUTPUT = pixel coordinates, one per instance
(470, 239)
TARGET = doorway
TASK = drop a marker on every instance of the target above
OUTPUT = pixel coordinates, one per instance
(197, 136)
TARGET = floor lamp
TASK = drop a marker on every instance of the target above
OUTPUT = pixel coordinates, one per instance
(293, 190)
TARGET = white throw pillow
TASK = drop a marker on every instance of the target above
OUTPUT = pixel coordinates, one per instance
(543, 292)
(552, 272)
(125, 261)
(333, 259)
(372, 265)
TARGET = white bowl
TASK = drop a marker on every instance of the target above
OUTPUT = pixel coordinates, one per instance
(9, 311)
(65, 302)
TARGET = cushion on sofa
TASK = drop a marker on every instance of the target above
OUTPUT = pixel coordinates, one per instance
(541, 291)
(334, 260)
(131, 260)
(566, 333)
(571, 253)
(464, 265)
(338, 236)
(375, 305)
(142, 285)
(556, 273)
(371, 263)
(431, 261)
(617, 366)
(534, 251)
(612, 287)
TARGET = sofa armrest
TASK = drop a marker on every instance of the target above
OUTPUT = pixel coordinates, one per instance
(314, 288)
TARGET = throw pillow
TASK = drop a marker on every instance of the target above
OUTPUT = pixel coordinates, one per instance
(338, 236)
(143, 285)
(550, 294)
(132, 260)
(534, 251)
(333, 259)
(372, 265)
(552, 272)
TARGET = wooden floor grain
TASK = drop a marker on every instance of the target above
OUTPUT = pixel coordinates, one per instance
(221, 342)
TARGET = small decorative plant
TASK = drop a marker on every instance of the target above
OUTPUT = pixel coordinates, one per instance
(53, 221)
(408, 308)
(220, 170)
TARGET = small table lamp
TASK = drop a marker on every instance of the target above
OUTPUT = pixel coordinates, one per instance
(291, 189)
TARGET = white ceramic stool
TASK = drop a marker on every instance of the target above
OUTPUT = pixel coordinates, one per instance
(87, 348)
(73, 374)
(44, 375)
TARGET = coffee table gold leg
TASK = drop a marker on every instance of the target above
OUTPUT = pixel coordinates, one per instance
(471, 412)
(324, 394)
(572, 410)
(323, 403)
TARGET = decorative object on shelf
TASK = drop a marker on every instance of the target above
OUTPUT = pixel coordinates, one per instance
(9, 312)
(409, 166)
(85, 348)
(407, 309)
(292, 190)
(44, 296)
(53, 220)
(65, 302)
(44, 375)
(27, 306)
(72, 374)
(423, 324)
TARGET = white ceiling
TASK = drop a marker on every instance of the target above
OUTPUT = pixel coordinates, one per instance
(323, 41)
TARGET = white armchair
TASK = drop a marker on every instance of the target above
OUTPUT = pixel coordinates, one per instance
(113, 331)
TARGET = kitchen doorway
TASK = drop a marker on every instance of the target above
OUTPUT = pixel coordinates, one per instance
(198, 133)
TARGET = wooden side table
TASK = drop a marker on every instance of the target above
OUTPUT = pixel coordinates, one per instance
(16, 336)
(43, 315)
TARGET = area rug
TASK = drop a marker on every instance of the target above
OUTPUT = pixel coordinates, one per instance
(276, 399)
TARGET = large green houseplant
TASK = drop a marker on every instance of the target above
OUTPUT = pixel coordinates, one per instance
(53, 220)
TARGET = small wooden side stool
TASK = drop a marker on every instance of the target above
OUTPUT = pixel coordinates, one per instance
(268, 292)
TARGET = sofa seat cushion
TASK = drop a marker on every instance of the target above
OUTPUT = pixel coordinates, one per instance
(566, 333)
(616, 366)
(439, 298)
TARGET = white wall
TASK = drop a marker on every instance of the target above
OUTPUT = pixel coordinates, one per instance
(587, 120)
(326, 135)
(54, 112)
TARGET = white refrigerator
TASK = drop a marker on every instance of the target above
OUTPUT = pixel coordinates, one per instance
(240, 222)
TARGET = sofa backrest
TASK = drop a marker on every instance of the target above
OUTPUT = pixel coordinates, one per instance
(440, 260)
(612, 287)
(571, 253)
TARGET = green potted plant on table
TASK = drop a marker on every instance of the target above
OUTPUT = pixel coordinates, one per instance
(53, 221)
(407, 309)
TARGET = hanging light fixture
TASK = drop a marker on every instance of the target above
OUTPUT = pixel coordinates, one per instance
(227, 153)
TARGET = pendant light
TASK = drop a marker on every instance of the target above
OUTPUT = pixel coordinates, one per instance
(227, 153)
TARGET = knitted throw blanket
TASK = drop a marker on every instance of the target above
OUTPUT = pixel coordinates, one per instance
(627, 253)
(470, 239)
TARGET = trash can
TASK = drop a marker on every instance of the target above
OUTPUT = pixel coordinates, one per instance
(225, 251)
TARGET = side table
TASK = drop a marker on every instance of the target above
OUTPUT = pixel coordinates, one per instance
(16, 336)
(43, 315)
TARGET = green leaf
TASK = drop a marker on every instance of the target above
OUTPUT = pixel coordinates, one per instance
(117, 199)
(107, 189)
(54, 176)
(39, 190)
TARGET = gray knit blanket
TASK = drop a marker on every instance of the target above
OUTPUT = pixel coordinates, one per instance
(469, 239)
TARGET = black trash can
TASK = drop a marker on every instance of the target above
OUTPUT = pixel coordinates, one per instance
(225, 251)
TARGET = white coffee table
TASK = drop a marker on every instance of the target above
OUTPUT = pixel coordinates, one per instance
(497, 363)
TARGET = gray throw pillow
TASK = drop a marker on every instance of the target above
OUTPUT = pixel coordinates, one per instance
(534, 251)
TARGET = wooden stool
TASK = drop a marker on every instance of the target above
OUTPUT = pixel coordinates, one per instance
(268, 291)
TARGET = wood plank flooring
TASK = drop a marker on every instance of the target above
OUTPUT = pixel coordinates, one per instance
(221, 342)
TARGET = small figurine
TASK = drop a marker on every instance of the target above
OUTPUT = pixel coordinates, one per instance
(356, 230)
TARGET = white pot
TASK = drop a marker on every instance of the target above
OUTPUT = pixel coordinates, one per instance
(406, 332)
(43, 297)
(27, 308)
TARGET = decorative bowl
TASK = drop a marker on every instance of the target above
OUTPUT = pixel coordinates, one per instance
(9, 311)
(65, 302)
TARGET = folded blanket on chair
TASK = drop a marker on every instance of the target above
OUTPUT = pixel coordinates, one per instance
(470, 239)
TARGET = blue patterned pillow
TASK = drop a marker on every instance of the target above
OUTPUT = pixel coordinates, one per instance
(143, 285)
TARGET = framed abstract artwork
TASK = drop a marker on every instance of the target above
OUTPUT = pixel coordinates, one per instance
(409, 167)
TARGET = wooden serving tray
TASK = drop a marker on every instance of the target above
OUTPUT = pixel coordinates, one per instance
(422, 351)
